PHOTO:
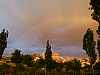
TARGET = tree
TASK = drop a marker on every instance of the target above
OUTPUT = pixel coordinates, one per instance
(40, 63)
(49, 63)
(3, 41)
(27, 59)
(95, 7)
(89, 45)
(16, 56)
(74, 65)
(48, 54)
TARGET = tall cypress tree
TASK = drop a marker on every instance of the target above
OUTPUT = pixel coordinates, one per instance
(89, 45)
(48, 54)
(49, 63)
(3, 41)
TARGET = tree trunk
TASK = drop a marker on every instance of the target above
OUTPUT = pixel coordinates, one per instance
(98, 40)
(1, 52)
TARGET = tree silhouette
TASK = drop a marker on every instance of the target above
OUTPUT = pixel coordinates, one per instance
(49, 62)
(16, 56)
(95, 7)
(73, 66)
(27, 59)
(89, 45)
(40, 63)
(48, 54)
(3, 41)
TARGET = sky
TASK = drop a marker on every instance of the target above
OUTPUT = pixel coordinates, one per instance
(31, 22)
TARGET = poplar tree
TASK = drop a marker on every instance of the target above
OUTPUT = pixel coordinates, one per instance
(3, 41)
(95, 8)
(89, 45)
(49, 62)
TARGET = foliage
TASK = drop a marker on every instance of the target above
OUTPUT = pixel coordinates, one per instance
(89, 45)
(73, 65)
(20, 67)
(27, 59)
(58, 66)
(49, 63)
(16, 56)
(3, 67)
(48, 53)
(97, 66)
(95, 6)
(40, 63)
(3, 41)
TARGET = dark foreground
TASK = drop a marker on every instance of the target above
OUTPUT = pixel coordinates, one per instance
(20, 70)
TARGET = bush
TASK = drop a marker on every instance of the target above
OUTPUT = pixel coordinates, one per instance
(20, 67)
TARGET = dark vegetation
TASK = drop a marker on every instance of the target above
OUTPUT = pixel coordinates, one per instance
(89, 46)
(43, 66)
(3, 41)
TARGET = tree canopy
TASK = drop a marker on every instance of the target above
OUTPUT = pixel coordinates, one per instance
(49, 62)
(27, 59)
(89, 45)
(3, 41)
(95, 7)
(48, 53)
(16, 56)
